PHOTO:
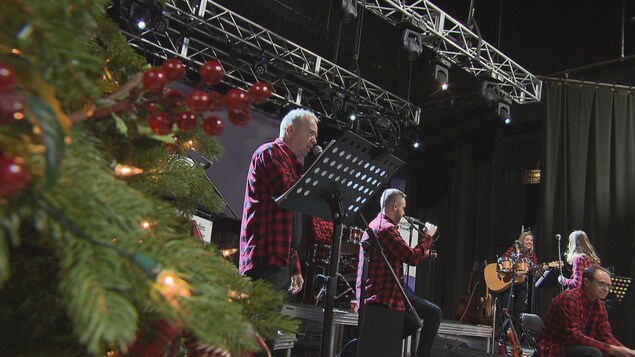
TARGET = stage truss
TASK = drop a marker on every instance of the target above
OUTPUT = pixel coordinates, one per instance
(455, 42)
(199, 31)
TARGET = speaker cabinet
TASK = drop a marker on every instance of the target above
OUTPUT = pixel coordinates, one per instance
(380, 333)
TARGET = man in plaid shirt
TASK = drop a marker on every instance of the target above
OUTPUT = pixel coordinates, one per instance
(577, 322)
(380, 288)
(266, 229)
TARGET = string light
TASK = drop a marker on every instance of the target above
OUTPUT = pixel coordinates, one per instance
(234, 295)
(227, 252)
(146, 225)
(171, 286)
(127, 170)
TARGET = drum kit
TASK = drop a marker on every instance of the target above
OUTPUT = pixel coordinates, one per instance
(319, 259)
(514, 265)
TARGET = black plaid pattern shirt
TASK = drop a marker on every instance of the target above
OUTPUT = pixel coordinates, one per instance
(266, 229)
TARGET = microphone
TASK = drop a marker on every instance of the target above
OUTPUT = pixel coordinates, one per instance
(413, 220)
(317, 150)
(558, 236)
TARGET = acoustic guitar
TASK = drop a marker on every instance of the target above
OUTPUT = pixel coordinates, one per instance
(498, 282)
(465, 311)
(485, 309)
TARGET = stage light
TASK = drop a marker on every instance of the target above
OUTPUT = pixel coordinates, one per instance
(490, 92)
(411, 44)
(338, 102)
(504, 110)
(139, 16)
(440, 69)
(348, 10)
(353, 117)
(416, 145)
(260, 68)
(147, 15)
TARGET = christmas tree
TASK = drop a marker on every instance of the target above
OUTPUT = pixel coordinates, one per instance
(96, 198)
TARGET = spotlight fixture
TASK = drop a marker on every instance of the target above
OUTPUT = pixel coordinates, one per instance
(140, 17)
(338, 102)
(504, 110)
(440, 69)
(490, 92)
(260, 67)
(147, 15)
(348, 10)
(411, 44)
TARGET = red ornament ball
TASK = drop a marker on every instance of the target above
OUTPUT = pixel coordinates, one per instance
(173, 68)
(215, 101)
(211, 72)
(8, 78)
(172, 98)
(260, 92)
(213, 125)
(186, 121)
(11, 107)
(198, 100)
(154, 79)
(14, 175)
(236, 99)
(239, 117)
(160, 123)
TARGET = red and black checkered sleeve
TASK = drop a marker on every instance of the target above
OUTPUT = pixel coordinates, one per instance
(508, 253)
(395, 244)
(579, 264)
(603, 328)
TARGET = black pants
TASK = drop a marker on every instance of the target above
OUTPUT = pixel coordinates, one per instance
(582, 351)
(431, 316)
(280, 278)
(518, 304)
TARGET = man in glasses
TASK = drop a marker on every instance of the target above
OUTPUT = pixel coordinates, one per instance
(577, 322)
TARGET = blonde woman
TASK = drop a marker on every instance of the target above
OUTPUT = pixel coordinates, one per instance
(581, 255)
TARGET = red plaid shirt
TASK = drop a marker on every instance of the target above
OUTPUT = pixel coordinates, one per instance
(266, 229)
(580, 263)
(566, 322)
(380, 286)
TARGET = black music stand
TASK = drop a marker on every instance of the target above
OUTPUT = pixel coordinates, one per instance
(619, 289)
(548, 279)
(337, 186)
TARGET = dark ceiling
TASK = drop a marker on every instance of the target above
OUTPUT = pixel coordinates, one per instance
(546, 37)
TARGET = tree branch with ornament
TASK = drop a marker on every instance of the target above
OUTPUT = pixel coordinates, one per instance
(148, 91)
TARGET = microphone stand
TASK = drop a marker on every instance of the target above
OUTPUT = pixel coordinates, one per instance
(560, 261)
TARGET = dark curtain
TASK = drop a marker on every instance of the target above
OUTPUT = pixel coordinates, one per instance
(461, 188)
(588, 179)
(583, 140)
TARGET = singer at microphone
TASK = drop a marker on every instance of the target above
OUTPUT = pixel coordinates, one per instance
(380, 288)
(274, 167)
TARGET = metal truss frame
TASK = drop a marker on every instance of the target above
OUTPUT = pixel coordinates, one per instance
(455, 42)
(201, 30)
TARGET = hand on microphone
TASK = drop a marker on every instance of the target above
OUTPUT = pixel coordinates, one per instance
(431, 229)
